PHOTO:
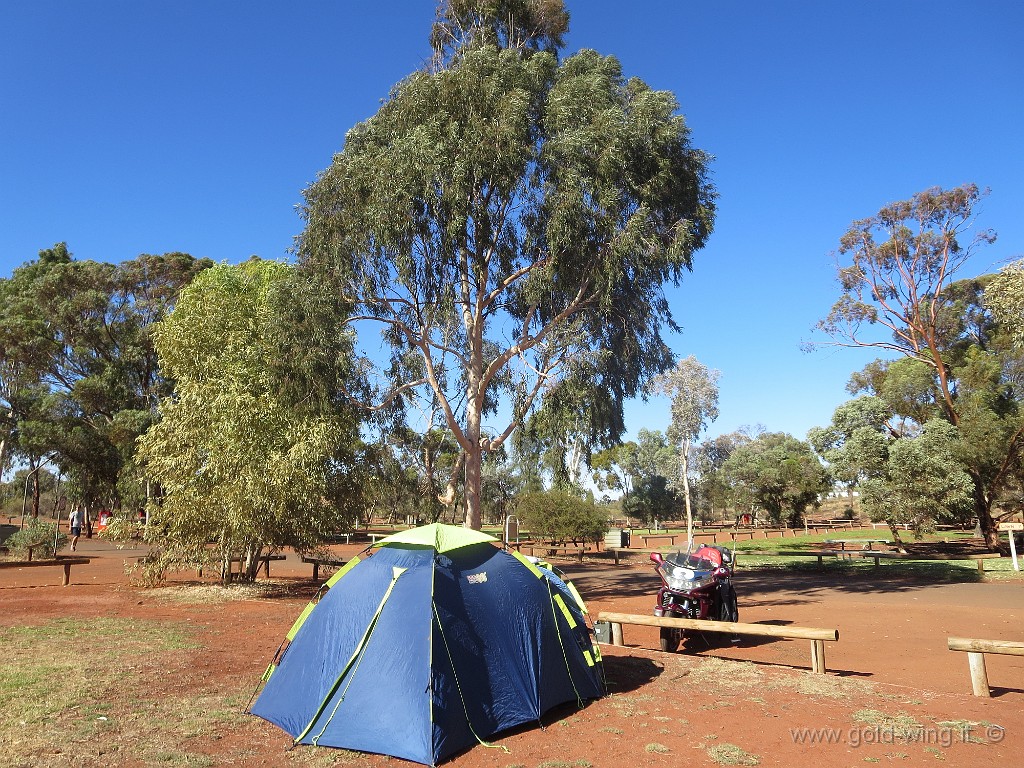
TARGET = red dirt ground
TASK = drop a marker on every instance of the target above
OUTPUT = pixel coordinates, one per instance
(663, 709)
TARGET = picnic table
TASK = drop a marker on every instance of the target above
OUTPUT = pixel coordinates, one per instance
(327, 562)
(866, 542)
(264, 561)
(550, 550)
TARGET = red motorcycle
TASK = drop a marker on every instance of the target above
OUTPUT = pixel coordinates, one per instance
(695, 585)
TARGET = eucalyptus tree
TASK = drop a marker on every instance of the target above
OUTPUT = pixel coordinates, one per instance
(614, 468)
(641, 470)
(856, 444)
(653, 500)
(901, 279)
(510, 220)
(778, 473)
(714, 492)
(693, 391)
(80, 374)
(574, 417)
(253, 450)
(922, 481)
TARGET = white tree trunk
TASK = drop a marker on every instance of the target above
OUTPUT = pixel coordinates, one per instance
(684, 463)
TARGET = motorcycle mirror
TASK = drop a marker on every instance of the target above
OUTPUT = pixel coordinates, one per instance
(657, 558)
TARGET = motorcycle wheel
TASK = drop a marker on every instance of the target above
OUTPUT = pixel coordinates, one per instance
(670, 638)
(728, 610)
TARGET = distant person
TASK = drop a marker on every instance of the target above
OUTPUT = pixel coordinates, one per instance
(75, 523)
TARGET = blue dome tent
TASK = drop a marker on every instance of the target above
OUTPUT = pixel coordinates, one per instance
(435, 642)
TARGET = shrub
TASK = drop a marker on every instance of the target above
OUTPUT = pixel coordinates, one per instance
(560, 517)
(36, 533)
(122, 531)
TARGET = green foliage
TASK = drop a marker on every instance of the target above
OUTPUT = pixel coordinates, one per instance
(777, 473)
(614, 468)
(1005, 297)
(36, 533)
(921, 481)
(855, 445)
(467, 24)
(653, 499)
(714, 493)
(122, 530)
(242, 460)
(80, 374)
(641, 470)
(956, 362)
(560, 517)
(693, 389)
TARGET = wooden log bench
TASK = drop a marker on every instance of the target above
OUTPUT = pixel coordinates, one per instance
(618, 552)
(737, 535)
(326, 562)
(648, 536)
(550, 550)
(62, 562)
(817, 637)
(821, 554)
(979, 558)
(976, 650)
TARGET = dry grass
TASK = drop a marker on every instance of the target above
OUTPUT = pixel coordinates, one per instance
(730, 754)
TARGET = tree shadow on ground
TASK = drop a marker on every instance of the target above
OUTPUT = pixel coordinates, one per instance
(600, 582)
(995, 691)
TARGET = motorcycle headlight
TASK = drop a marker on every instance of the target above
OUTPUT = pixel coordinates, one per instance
(687, 580)
(705, 580)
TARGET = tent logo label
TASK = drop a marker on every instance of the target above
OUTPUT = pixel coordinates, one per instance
(477, 578)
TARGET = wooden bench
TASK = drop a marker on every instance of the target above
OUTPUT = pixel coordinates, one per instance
(617, 552)
(327, 562)
(648, 536)
(63, 562)
(879, 556)
(263, 559)
(818, 637)
(735, 535)
(519, 545)
(551, 549)
(865, 543)
(821, 554)
(976, 650)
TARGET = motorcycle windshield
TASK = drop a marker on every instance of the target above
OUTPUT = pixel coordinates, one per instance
(686, 560)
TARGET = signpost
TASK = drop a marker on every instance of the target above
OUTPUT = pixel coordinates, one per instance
(1011, 529)
(511, 529)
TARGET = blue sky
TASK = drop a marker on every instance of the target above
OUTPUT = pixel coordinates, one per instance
(133, 127)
